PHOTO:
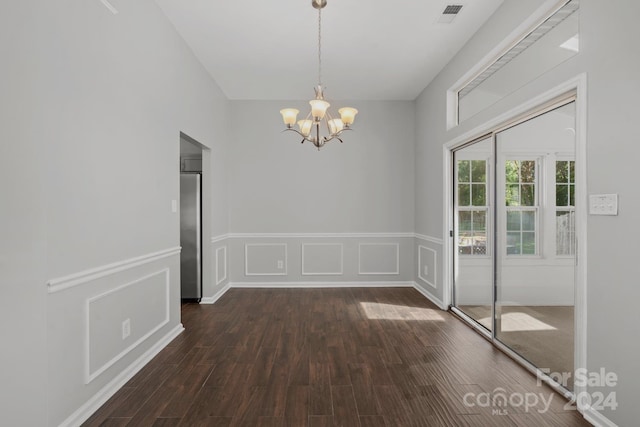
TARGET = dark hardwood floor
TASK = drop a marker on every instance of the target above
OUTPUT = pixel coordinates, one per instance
(352, 357)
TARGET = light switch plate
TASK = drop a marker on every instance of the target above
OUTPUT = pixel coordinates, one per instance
(174, 206)
(603, 204)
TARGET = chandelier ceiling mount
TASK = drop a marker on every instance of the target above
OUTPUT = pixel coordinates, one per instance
(319, 116)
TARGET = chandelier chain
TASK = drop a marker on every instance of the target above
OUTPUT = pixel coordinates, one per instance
(320, 47)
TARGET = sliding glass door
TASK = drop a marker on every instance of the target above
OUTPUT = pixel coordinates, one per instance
(515, 242)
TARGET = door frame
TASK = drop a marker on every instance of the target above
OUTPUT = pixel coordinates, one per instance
(537, 105)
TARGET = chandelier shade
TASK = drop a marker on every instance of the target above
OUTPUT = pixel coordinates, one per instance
(319, 120)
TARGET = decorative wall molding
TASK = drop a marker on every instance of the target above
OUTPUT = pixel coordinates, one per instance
(364, 273)
(435, 267)
(431, 239)
(304, 272)
(318, 235)
(89, 375)
(224, 264)
(216, 297)
(246, 259)
(322, 284)
(100, 398)
(76, 279)
(220, 238)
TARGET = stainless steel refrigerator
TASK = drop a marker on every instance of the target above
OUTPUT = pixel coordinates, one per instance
(190, 236)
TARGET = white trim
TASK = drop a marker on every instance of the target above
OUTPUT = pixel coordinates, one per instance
(335, 273)
(435, 267)
(322, 284)
(66, 282)
(546, 10)
(246, 259)
(94, 403)
(431, 239)
(90, 376)
(317, 235)
(218, 279)
(217, 296)
(216, 239)
(386, 273)
(430, 296)
(596, 418)
(581, 217)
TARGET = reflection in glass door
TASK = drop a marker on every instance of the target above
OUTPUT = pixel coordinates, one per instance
(473, 290)
(515, 242)
(535, 209)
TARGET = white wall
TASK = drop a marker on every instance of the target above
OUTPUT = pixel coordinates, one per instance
(95, 113)
(607, 37)
(360, 192)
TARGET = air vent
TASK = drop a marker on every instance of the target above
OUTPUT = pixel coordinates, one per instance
(449, 13)
(452, 9)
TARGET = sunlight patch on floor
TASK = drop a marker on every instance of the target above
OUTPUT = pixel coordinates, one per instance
(520, 322)
(375, 310)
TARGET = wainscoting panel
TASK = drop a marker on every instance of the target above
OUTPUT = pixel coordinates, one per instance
(142, 308)
(221, 264)
(378, 259)
(322, 259)
(87, 313)
(265, 259)
(428, 266)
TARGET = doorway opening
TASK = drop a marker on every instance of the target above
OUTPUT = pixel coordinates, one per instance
(194, 218)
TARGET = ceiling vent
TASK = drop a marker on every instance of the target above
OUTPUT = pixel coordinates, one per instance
(449, 13)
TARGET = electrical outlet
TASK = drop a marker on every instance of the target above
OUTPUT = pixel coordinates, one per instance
(280, 264)
(126, 328)
(425, 270)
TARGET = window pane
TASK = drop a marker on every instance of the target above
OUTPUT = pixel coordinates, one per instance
(513, 243)
(511, 171)
(562, 198)
(562, 172)
(564, 233)
(528, 196)
(513, 221)
(479, 221)
(463, 170)
(464, 244)
(478, 171)
(478, 196)
(529, 221)
(528, 243)
(480, 244)
(512, 195)
(528, 171)
(572, 171)
(464, 196)
(572, 195)
(464, 221)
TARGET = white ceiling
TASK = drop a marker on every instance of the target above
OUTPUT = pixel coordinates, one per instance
(374, 50)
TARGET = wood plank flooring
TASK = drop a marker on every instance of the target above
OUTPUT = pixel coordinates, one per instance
(356, 357)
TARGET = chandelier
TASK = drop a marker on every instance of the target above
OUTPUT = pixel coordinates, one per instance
(319, 116)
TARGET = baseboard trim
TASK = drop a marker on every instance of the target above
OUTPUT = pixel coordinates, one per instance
(429, 296)
(97, 400)
(283, 285)
(66, 282)
(216, 296)
(597, 419)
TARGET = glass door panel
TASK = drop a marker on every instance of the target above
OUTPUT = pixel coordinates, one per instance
(535, 239)
(473, 275)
